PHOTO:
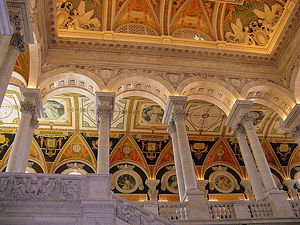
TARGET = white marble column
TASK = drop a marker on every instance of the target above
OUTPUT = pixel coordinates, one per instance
(104, 112)
(178, 167)
(252, 172)
(197, 207)
(6, 68)
(258, 153)
(31, 110)
(152, 192)
(248, 190)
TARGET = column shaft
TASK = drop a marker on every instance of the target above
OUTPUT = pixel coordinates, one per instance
(178, 166)
(295, 133)
(103, 144)
(20, 145)
(189, 176)
(250, 164)
(6, 69)
(259, 155)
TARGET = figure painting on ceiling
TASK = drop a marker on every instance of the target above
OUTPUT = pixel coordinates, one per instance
(53, 110)
(126, 182)
(153, 114)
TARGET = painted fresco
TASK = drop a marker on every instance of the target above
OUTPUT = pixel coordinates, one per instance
(59, 112)
(192, 17)
(10, 110)
(79, 14)
(204, 118)
(87, 115)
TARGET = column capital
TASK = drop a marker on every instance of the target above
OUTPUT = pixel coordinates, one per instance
(16, 41)
(29, 107)
(239, 130)
(239, 109)
(105, 110)
(179, 114)
(247, 119)
(171, 127)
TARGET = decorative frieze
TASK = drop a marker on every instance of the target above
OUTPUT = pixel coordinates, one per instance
(32, 188)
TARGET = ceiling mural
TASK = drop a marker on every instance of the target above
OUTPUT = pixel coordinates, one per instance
(79, 15)
(249, 22)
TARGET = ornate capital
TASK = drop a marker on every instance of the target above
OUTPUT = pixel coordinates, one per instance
(105, 110)
(17, 42)
(179, 114)
(246, 118)
(239, 130)
(171, 127)
(27, 106)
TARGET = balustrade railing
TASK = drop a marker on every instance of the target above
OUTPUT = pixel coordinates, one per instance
(295, 207)
(260, 210)
(172, 210)
(221, 210)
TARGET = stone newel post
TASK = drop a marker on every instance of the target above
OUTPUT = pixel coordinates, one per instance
(31, 110)
(104, 112)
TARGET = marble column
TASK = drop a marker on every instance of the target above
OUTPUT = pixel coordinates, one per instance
(252, 172)
(197, 207)
(16, 46)
(31, 110)
(295, 133)
(258, 153)
(178, 167)
(189, 175)
(104, 112)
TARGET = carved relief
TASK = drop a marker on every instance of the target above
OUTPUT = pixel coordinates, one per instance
(169, 180)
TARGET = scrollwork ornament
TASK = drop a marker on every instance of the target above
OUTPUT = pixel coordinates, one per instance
(246, 118)
(239, 130)
(179, 114)
(17, 42)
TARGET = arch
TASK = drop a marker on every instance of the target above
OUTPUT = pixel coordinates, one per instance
(150, 86)
(270, 95)
(133, 163)
(226, 165)
(65, 81)
(219, 94)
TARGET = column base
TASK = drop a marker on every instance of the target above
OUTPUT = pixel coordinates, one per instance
(197, 207)
(280, 205)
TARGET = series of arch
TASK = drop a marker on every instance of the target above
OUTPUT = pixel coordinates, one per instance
(156, 88)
